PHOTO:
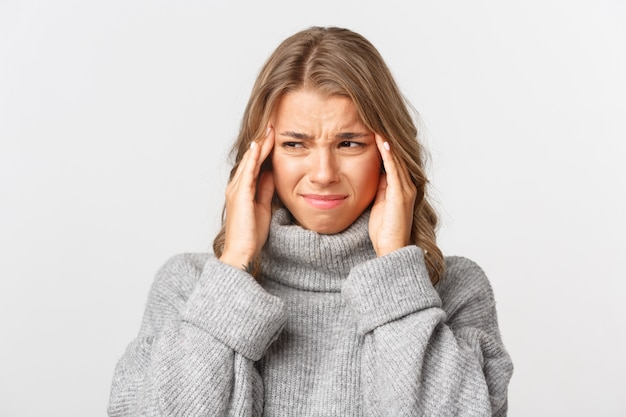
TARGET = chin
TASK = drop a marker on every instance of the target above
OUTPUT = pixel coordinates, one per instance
(329, 227)
(328, 230)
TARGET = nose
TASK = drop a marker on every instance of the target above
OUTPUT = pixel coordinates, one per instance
(323, 168)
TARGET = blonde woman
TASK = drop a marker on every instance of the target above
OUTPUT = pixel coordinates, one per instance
(326, 294)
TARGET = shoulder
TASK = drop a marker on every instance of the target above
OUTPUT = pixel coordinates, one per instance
(464, 286)
(171, 288)
(178, 276)
(465, 273)
(183, 264)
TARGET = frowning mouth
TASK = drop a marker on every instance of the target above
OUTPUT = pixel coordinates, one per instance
(324, 201)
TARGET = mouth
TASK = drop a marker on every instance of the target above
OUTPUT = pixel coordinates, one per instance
(324, 201)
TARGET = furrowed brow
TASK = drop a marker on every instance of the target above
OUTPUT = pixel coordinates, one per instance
(296, 135)
(350, 135)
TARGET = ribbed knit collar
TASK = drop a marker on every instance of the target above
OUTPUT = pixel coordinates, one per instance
(307, 260)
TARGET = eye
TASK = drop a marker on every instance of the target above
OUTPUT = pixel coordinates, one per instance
(350, 144)
(292, 145)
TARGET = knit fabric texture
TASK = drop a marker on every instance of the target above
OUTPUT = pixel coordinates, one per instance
(328, 329)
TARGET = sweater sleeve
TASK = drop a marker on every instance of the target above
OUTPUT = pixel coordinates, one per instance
(205, 325)
(428, 352)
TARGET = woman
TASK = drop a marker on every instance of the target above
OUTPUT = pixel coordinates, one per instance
(326, 294)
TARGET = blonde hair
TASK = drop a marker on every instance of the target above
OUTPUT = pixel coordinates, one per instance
(339, 62)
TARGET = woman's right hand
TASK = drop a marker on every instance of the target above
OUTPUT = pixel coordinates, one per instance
(248, 209)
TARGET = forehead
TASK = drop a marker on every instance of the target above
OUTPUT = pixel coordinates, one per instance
(310, 107)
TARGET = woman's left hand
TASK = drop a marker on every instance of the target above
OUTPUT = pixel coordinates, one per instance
(391, 218)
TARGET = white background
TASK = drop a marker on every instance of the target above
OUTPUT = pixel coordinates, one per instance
(115, 122)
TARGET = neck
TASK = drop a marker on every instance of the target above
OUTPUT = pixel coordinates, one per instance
(307, 260)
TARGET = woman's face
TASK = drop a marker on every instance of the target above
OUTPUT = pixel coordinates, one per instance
(325, 161)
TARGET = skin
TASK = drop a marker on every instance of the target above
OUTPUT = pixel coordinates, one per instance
(325, 161)
(326, 171)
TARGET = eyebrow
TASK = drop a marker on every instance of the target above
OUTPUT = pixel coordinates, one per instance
(340, 136)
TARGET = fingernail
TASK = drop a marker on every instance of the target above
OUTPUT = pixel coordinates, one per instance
(267, 132)
(386, 145)
(252, 145)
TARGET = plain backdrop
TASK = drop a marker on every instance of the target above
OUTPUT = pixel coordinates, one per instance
(116, 119)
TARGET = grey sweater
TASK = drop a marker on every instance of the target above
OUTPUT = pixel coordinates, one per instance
(328, 329)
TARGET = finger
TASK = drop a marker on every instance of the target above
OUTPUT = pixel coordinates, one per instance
(388, 162)
(398, 175)
(245, 177)
(265, 143)
(243, 163)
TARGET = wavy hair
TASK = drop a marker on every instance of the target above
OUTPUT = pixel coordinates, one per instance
(340, 62)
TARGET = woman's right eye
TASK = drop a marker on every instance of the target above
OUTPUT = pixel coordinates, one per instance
(293, 144)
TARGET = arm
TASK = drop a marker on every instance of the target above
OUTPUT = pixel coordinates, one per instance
(422, 356)
(203, 328)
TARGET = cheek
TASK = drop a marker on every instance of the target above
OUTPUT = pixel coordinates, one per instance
(366, 176)
(369, 173)
(369, 186)
(285, 173)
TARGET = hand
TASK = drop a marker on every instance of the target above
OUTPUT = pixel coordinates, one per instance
(391, 218)
(248, 209)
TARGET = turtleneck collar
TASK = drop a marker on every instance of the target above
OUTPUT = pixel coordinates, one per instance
(306, 260)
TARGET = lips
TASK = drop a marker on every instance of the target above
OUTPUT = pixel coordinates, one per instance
(324, 201)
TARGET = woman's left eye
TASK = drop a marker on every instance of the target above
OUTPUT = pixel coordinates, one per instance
(350, 144)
